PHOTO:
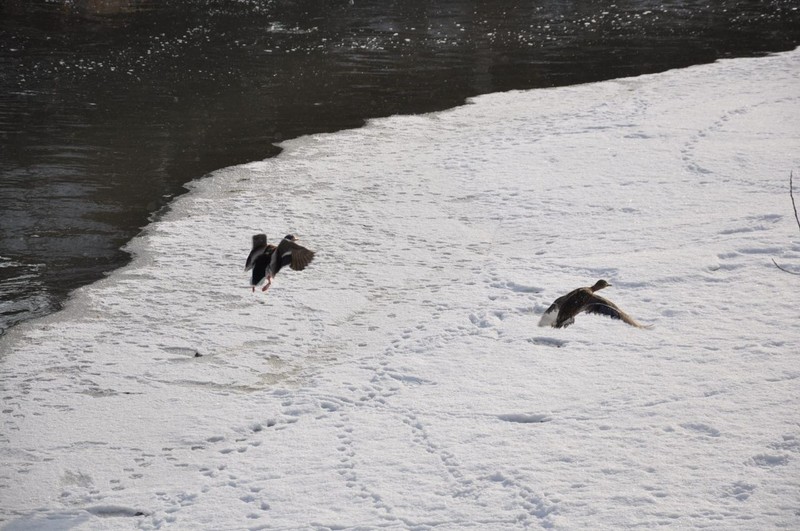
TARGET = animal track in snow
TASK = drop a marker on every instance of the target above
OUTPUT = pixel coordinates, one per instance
(466, 486)
(769, 460)
(534, 504)
(739, 490)
(690, 146)
(347, 467)
(702, 429)
(789, 443)
(516, 287)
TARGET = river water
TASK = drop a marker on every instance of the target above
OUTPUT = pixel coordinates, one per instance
(107, 107)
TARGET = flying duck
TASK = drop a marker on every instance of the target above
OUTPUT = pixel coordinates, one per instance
(266, 260)
(562, 312)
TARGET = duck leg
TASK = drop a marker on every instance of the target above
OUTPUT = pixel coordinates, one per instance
(268, 284)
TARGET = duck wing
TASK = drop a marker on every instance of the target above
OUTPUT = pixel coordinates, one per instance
(600, 306)
(294, 255)
(259, 248)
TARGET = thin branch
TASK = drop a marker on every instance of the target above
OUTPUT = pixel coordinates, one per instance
(793, 205)
(797, 219)
(784, 269)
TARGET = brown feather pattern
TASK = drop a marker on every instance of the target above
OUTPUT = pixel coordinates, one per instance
(301, 257)
(562, 312)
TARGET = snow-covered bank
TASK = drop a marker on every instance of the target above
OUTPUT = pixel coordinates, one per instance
(401, 381)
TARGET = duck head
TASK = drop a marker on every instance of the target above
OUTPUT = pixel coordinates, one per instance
(600, 284)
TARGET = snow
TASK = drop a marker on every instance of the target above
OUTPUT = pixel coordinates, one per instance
(401, 381)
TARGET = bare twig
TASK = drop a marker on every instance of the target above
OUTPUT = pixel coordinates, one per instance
(797, 219)
(793, 205)
(784, 269)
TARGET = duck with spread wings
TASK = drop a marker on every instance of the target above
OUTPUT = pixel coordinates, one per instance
(266, 259)
(562, 312)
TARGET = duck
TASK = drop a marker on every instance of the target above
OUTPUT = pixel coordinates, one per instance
(260, 246)
(265, 259)
(562, 312)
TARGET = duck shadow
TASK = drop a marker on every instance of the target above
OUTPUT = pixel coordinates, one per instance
(547, 341)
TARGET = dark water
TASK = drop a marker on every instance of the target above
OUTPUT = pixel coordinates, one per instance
(108, 106)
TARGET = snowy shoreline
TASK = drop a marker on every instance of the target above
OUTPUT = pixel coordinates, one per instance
(401, 380)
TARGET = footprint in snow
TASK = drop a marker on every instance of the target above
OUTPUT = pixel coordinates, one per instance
(739, 490)
(703, 429)
(516, 287)
(769, 460)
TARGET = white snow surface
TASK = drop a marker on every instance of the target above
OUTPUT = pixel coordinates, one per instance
(401, 380)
